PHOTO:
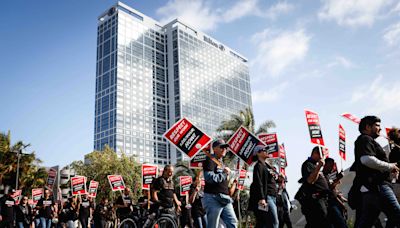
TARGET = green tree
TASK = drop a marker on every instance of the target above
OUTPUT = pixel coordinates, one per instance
(107, 162)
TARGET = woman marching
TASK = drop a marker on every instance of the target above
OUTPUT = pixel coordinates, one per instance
(263, 191)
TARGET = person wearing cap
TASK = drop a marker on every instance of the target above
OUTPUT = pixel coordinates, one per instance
(263, 190)
(216, 199)
(7, 210)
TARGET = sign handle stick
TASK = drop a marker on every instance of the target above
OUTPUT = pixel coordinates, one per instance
(341, 163)
(213, 159)
(148, 199)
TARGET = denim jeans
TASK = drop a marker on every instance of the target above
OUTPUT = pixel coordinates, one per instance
(45, 222)
(201, 221)
(215, 210)
(373, 203)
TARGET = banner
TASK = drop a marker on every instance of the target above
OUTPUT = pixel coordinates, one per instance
(271, 141)
(342, 142)
(187, 137)
(185, 182)
(314, 127)
(351, 117)
(51, 178)
(78, 185)
(197, 161)
(149, 172)
(242, 144)
(242, 178)
(116, 182)
(37, 193)
(17, 196)
(93, 185)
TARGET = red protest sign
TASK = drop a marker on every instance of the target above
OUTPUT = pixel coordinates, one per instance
(93, 185)
(351, 117)
(283, 172)
(242, 178)
(314, 128)
(185, 182)
(325, 152)
(186, 137)
(37, 194)
(149, 172)
(17, 196)
(116, 182)
(78, 185)
(242, 144)
(387, 131)
(51, 178)
(271, 141)
(282, 155)
(342, 142)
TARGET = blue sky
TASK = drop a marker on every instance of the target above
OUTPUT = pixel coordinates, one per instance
(330, 56)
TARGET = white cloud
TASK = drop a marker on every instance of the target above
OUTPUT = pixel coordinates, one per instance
(341, 61)
(202, 15)
(352, 13)
(269, 94)
(279, 50)
(196, 13)
(392, 34)
(379, 96)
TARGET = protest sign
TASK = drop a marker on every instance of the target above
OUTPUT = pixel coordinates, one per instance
(314, 128)
(282, 155)
(342, 142)
(351, 117)
(186, 137)
(149, 172)
(17, 196)
(78, 185)
(93, 185)
(271, 141)
(242, 144)
(51, 178)
(37, 193)
(241, 179)
(185, 182)
(197, 161)
(116, 182)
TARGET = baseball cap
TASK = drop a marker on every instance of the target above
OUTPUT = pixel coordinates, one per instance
(258, 149)
(221, 143)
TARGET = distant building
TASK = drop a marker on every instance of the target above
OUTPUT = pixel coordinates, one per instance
(148, 76)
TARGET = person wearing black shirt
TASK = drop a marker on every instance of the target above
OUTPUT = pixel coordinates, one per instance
(24, 213)
(314, 206)
(216, 200)
(373, 172)
(394, 156)
(163, 190)
(45, 207)
(7, 210)
(263, 191)
(283, 204)
(198, 212)
(71, 211)
(124, 204)
(85, 211)
(100, 213)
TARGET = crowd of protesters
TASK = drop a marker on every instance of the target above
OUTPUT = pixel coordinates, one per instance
(376, 189)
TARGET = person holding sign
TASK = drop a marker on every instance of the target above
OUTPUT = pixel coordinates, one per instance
(45, 207)
(85, 210)
(198, 213)
(315, 189)
(373, 172)
(216, 200)
(263, 190)
(7, 210)
(163, 191)
(124, 204)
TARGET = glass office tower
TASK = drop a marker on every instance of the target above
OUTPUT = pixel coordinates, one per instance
(148, 76)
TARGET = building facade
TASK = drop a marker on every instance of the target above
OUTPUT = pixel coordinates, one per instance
(148, 76)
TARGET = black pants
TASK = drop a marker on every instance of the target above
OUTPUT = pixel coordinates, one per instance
(84, 221)
(316, 212)
(6, 224)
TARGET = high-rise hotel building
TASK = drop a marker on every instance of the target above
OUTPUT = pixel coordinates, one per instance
(150, 75)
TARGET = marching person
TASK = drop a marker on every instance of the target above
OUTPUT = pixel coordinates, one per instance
(100, 213)
(263, 191)
(124, 204)
(7, 210)
(216, 199)
(314, 204)
(163, 191)
(283, 203)
(373, 172)
(85, 211)
(45, 207)
(24, 213)
(198, 212)
(394, 157)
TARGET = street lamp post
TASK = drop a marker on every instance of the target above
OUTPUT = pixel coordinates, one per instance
(19, 157)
